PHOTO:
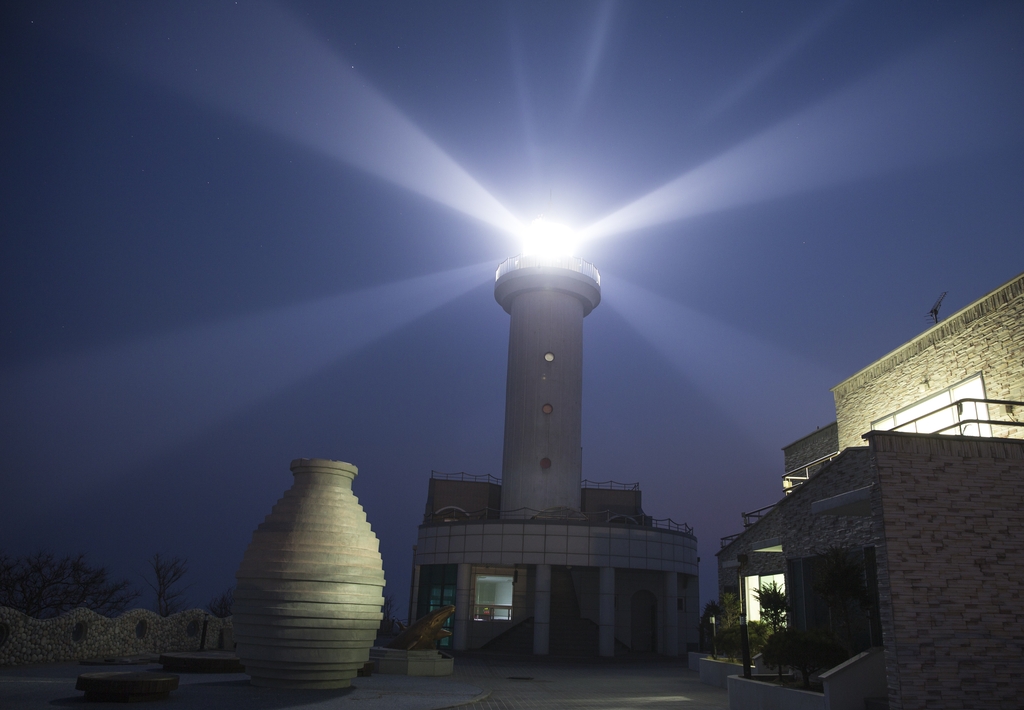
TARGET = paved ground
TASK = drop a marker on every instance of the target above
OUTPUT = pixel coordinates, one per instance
(651, 682)
(489, 683)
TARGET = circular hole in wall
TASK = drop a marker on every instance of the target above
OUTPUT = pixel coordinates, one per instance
(547, 409)
(140, 629)
(549, 357)
(5, 633)
(545, 462)
(79, 632)
(193, 628)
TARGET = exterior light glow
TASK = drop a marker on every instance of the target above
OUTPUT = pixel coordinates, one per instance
(546, 238)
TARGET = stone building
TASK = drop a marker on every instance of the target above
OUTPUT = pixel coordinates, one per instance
(542, 561)
(931, 505)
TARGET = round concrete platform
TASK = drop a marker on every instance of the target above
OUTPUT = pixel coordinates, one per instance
(202, 662)
(126, 687)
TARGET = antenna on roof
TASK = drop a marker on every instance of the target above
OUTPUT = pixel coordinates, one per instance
(934, 312)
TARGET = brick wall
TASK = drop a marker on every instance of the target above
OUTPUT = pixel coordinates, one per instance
(951, 570)
(987, 336)
(802, 533)
(812, 447)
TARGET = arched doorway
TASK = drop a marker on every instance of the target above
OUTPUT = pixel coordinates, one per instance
(643, 630)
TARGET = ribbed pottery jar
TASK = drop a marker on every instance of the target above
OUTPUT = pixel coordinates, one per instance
(308, 601)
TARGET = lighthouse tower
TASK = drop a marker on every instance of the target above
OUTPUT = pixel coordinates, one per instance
(541, 560)
(547, 297)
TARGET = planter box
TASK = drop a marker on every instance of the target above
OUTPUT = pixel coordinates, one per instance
(715, 673)
(852, 682)
(694, 660)
(754, 695)
(393, 661)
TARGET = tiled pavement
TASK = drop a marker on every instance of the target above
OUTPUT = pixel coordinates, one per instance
(648, 682)
(511, 681)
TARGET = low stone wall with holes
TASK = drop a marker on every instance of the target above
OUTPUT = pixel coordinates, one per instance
(83, 633)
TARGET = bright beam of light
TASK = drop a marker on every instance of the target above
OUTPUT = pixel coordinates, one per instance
(764, 390)
(938, 104)
(113, 407)
(595, 51)
(773, 62)
(258, 63)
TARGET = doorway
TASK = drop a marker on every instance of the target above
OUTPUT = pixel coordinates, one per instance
(643, 630)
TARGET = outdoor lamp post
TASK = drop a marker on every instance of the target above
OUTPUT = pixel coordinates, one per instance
(744, 638)
(714, 634)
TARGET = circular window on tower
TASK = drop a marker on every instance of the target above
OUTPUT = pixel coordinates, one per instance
(550, 357)
(545, 462)
(547, 409)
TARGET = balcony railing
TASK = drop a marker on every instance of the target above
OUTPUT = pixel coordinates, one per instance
(727, 540)
(462, 476)
(492, 612)
(755, 515)
(452, 514)
(610, 485)
(572, 263)
(973, 426)
(802, 474)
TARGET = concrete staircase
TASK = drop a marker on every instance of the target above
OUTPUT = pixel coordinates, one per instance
(570, 634)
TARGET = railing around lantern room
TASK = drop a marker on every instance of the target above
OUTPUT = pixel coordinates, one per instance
(572, 263)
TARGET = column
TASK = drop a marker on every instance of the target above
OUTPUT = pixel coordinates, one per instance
(606, 612)
(541, 610)
(414, 590)
(671, 634)
(460, 634)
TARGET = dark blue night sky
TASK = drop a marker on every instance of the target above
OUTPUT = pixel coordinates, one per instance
(234, 234)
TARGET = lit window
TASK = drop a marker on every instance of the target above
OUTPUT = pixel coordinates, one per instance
(755, 583)
(493, 598)
(938, 412)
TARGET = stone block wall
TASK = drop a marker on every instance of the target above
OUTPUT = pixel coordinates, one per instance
(83, 633)
(801, 533)
(951, 570)
(812, 447)
(986, 337)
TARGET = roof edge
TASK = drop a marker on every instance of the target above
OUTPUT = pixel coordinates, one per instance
(988, 303)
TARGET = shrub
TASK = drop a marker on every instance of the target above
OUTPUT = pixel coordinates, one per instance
(774, 609)
(729, 642)
(806, 651)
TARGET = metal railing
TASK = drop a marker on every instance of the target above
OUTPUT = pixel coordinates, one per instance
(962, 426)
(727, 540)
(755, 515)
(572, 263)
(463, 476)
(452, 514)
(610, 485)
(802, 474)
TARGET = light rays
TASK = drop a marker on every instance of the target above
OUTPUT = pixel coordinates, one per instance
(595, 52)
(935, 105)
(772, 63)
(753, 382)
(114, 406)
(256, 62)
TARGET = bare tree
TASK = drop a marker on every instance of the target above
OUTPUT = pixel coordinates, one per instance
(220, 605)
(167, 574)
(44, 585)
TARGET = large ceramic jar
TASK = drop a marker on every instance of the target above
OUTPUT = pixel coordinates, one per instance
(308, 602)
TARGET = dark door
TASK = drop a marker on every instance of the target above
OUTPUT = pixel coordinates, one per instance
(643, 621)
